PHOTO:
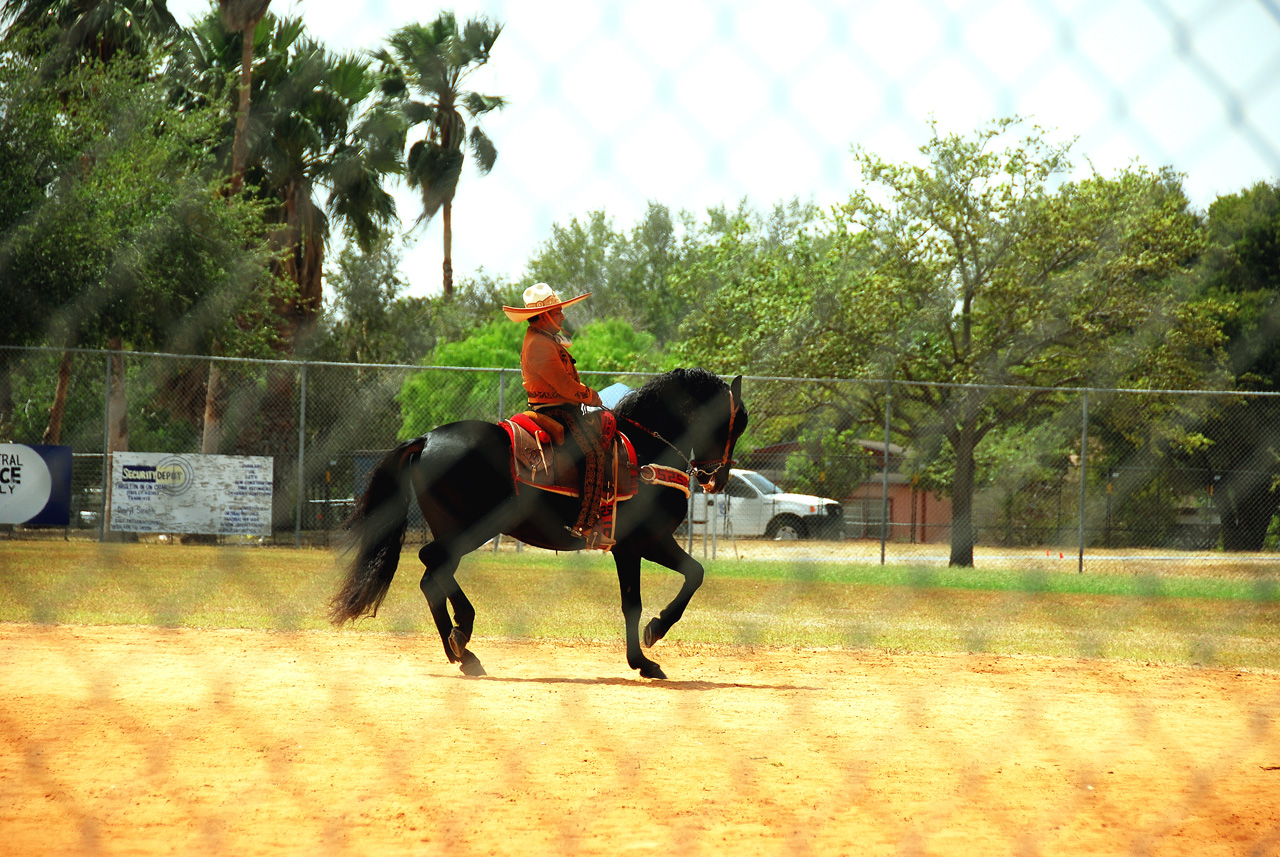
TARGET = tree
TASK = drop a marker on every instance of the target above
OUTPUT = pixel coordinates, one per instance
(128, 243)
(90, 29)
(614, 345)
(434, 61)
(1242, 266)
(35, 146)
(435, 396)
(315, 132)
(980, 267)
(318, 134)
(744, 283)
(628, 273)
(369, 319)
(242, 17)
(996, 277)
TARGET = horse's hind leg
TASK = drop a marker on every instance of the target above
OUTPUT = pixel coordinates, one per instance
(441, 589)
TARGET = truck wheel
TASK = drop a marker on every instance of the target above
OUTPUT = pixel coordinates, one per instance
(786, 528)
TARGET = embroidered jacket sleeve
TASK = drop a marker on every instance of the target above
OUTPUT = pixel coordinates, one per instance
(548, 372)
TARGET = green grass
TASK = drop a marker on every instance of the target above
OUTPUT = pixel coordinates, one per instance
(1262, 588)
(1187, 618)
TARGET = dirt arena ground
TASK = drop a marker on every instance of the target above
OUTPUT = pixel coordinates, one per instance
(138, 741)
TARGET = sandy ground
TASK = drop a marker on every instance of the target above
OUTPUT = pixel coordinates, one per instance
(138, 741)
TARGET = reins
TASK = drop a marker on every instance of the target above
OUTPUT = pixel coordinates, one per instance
(696, 467)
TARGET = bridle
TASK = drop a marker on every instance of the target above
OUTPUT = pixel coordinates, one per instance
(698, 467)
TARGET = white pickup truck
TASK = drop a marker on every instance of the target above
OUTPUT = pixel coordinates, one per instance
(751, 505)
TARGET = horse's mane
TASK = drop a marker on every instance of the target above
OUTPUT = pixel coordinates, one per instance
(677, 390)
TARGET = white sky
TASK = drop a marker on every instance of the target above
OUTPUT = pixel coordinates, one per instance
(695, 103)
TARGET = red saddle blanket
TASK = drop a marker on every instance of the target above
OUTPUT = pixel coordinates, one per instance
(539, 460)
(538, 457)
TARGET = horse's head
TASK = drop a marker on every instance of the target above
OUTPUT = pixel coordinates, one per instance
(694, 419)
(726, 426)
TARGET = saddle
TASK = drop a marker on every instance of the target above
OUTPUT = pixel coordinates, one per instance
(540, 460)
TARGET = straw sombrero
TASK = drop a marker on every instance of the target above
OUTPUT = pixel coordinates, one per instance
(539, 298)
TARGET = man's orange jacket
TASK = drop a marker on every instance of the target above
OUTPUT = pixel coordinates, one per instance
(548, 372)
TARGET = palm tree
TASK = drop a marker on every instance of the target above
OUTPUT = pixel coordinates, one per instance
(317, 134)
(319, 152)
(242, 16)
(435, 60)
(93, 28)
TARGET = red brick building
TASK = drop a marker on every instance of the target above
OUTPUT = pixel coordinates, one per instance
(915, 515)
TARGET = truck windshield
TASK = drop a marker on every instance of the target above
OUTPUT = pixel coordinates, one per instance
(764, 485)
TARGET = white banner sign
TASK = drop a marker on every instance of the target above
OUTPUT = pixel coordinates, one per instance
(218, 494)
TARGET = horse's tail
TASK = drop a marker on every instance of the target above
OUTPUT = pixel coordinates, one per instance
(377, 528)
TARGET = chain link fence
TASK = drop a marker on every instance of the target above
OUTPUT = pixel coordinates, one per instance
(851, 469)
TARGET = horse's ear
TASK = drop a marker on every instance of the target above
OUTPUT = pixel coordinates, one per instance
(735, 389)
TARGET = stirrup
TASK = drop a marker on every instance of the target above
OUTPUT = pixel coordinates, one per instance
(594, 538)
(597, 540)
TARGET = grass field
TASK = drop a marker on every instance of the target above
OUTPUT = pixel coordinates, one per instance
(1192, 615)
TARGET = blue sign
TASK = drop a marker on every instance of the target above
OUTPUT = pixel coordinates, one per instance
(35, 485)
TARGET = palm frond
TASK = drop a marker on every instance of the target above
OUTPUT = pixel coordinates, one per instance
(434, 172)
(418, 112)
(478, 105)
(483, 150)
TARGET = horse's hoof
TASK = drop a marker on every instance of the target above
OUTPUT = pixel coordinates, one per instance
(652, 634)
(471, 664)
(458, 640)
(652, 670)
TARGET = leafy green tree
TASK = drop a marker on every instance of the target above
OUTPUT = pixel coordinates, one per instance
(981, 266)
(129, 243)
(370, 320)
(614, 345)
(434, 61)
(1242, 266)
(628, 273)
(988, 274)
(435, 396)
(744, 285)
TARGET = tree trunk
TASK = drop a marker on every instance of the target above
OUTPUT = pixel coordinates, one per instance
(53, 432)
(240, 145)
(1246, 512)
(117, 404)
(215, 406)
(962, 502)
(448, 249)
(6, 397)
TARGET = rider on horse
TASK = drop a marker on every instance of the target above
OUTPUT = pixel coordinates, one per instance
(554, 390)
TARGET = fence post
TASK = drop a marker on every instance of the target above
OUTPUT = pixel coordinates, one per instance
(502, 412)
(1084, 441)
(502, 389)
(884, 473)
(302, 446)
(106, 446)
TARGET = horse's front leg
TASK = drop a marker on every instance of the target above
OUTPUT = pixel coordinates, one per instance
(628, 565)
(667, 552)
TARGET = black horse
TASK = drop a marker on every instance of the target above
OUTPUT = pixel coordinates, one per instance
(461, 474)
